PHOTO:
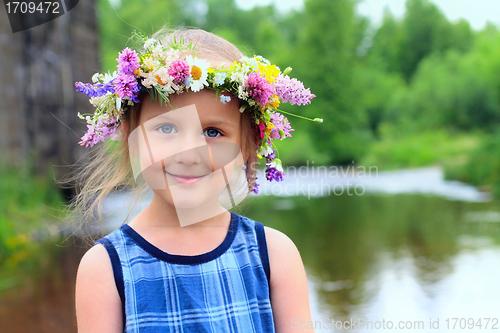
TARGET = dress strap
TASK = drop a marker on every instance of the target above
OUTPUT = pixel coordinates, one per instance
(264, 256)
(117, 270)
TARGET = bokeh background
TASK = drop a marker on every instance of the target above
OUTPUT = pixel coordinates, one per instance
(409, 91)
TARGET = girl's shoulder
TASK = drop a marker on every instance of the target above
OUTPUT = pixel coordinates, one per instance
(281, 252)
(275, 238)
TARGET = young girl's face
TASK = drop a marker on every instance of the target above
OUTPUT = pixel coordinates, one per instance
(185, 148)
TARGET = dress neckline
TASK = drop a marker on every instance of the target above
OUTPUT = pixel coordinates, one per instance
(185, 259)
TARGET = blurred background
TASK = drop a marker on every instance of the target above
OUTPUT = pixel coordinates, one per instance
(409, 90)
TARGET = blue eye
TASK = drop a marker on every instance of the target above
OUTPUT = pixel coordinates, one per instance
(166, 129)
(212, 132)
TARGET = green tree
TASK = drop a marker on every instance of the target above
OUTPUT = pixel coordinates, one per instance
(420, 34)
(384, 53)
(325, 60)
(400, 46)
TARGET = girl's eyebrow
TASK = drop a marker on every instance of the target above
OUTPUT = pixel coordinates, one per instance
(161, 116)
(219, 122)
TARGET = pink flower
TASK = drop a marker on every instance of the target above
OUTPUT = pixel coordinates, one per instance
(262, 129)
(293, 91)
(102, 130)
(280, 123)
(259, 89)
(128, 61)
(179, 70)
(127, 87)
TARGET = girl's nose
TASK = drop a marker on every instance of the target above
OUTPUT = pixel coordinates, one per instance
(190, 149)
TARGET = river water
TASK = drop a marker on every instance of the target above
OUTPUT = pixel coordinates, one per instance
(388, 248)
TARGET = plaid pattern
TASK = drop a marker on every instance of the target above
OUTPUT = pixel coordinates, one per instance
(224, 290)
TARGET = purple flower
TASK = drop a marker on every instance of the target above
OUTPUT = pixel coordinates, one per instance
(270, 157)
(128, 61)
(279, 176)
(255, 187)
(259, 89)
(102, 130)
(292, 90)
(179, 70)
(127, 87)
(273, 174)
(280, 123)
(270, 173)
(94, 90)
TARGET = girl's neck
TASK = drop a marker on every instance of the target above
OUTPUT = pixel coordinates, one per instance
(160, 213)
(159, 224)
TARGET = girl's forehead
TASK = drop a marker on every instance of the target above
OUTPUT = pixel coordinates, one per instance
(207, 104)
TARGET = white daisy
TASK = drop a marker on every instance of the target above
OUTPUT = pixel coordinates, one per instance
(199, 72)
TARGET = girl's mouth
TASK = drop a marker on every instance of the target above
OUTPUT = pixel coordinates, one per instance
(185, 179)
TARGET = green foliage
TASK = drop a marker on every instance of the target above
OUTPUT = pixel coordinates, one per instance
(299, 148)
(482, 167)
(400, 46)
(384, 53)
(397, 149)
(426, 30)
(452, 90)
(27, 202)
(377, 87)
(116, 24)
(326, 60)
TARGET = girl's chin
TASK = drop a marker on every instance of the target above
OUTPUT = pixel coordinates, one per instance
(184, 197)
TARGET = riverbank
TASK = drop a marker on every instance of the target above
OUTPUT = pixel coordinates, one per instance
(469, 157)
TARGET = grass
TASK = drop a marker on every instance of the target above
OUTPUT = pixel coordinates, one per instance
(440, 147)
(482, 168)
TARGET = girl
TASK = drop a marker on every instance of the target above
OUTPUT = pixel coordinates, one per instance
(170, 269)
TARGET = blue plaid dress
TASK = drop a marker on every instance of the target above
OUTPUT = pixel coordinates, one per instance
(224, 290)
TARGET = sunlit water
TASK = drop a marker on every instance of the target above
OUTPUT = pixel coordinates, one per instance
(412, 248)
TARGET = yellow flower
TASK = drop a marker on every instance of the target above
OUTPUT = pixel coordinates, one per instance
(274, 104)
(269, 128)
(270, 71)
(259, 156)
(196, 72)
(210, 70)
(234, 66)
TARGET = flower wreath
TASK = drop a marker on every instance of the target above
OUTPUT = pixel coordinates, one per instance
(160, 70)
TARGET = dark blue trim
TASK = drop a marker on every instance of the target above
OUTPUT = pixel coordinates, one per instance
(264, 256)
(117, 270)
(184, 259)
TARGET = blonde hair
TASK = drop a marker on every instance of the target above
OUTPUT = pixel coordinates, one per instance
(108, 165)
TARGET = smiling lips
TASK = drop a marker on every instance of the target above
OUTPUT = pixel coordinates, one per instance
(185, 179)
